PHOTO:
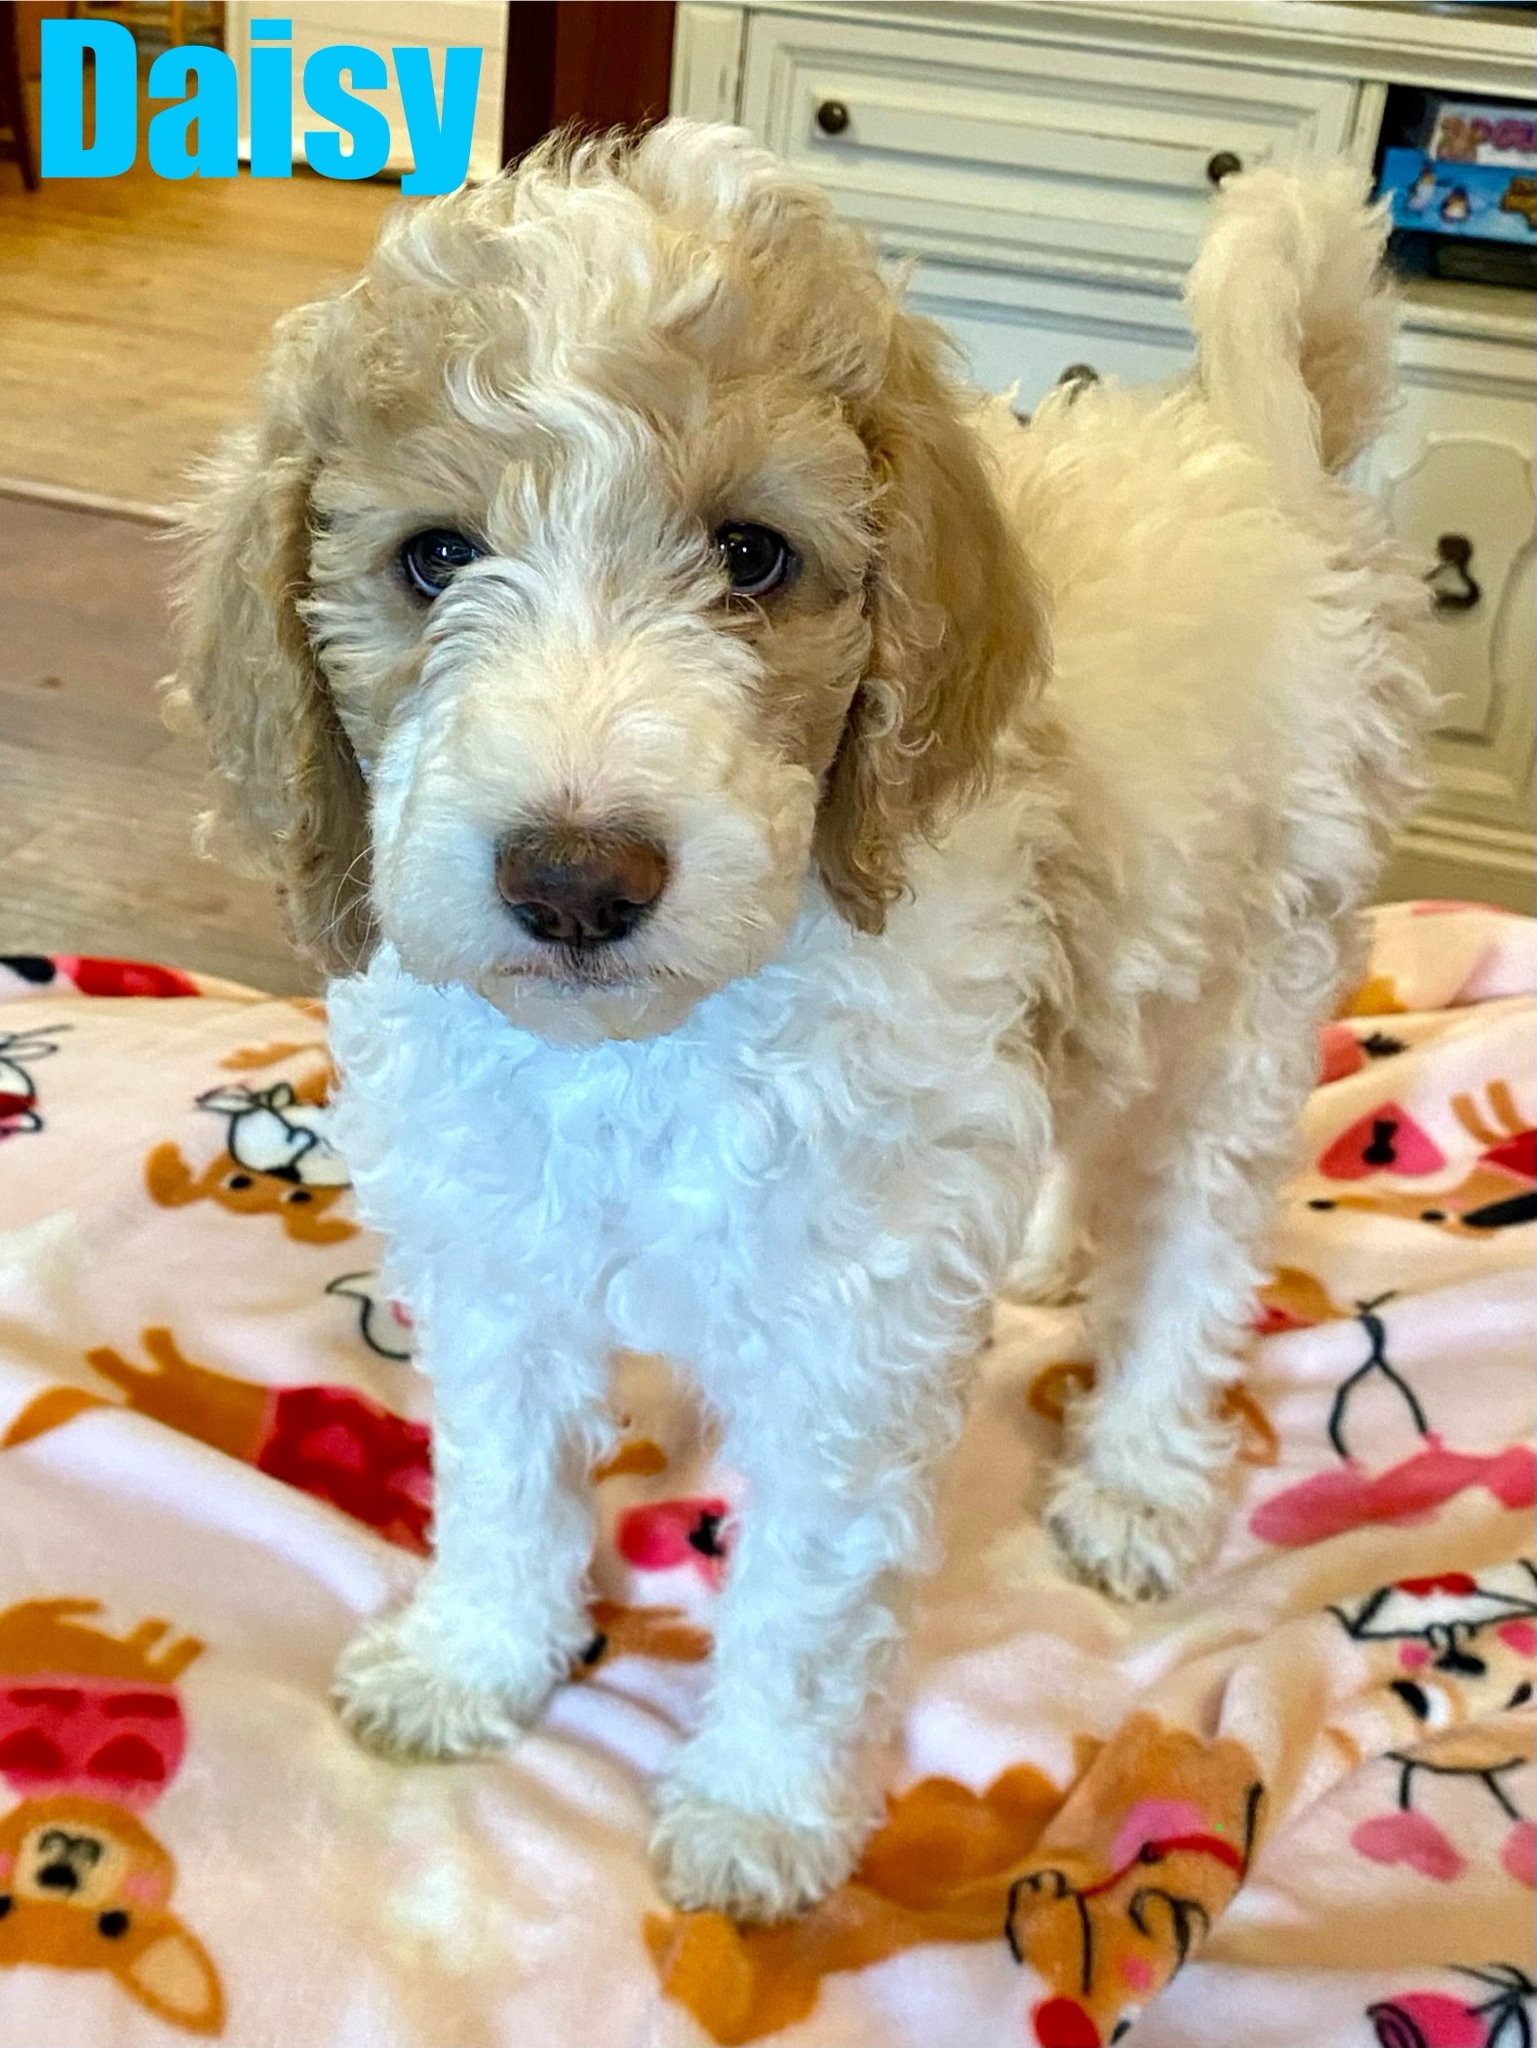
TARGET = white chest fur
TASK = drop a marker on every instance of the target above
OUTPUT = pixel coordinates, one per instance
(827, 1117)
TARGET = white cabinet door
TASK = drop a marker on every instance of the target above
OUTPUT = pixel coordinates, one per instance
(379, 25)
(1455, 474)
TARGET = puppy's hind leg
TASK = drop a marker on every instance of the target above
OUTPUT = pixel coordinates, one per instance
(1180, 1210)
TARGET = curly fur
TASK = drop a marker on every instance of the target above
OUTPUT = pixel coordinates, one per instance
(932, 920)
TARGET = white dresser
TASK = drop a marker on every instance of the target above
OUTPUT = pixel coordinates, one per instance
(1046, 169)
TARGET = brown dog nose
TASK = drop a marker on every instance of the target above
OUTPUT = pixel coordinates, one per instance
(578, 886)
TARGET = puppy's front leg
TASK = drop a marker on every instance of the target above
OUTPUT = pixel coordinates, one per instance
(499, 1613)
(768, 1805)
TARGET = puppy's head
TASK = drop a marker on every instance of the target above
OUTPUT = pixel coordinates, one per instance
(612, 554)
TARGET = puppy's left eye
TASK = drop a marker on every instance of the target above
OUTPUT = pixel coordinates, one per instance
(756, 559)
(432, 560)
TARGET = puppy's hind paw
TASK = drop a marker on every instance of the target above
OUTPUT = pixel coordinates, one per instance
(397, 1701)
(1133, 1546)
(749, 1866)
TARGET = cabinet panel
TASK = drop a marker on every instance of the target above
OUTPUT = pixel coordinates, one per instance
(1008, 150)
(1456, 476)
(1023, 332)
(1464, 505)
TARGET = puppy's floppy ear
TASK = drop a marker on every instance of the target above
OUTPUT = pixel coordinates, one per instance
(957, 635)
(287, 779)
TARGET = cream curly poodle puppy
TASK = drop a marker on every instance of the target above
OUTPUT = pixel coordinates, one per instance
(758, 810)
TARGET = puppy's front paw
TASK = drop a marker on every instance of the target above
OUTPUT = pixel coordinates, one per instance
(403, 1702)
(749, 1866)
(1134, 1546)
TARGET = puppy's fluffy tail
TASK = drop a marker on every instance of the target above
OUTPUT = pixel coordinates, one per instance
(1294, 321)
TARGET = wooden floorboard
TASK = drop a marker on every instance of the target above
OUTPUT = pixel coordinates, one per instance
(97, 798)
(134, 314)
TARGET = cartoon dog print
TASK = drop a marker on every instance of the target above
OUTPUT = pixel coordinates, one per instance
(619, 1630)
(939, 1869)
(1480, 1754)
(93, 976)
(1496, 2012)
(335, 1443)
(1498, 1192)
(384, 1324)
(91, 1731)
(1454, 1652)
(332, 1442)
(1293, 1299)
(658, 1536)
(18, 1091)
(1349, 1496)
(1453, 1645)
(329, 1441)
(277, 1161)
(1343, 1051)
(1058, 1385)
(1144, 1857)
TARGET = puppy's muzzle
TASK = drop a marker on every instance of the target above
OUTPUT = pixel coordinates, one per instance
(578, 886)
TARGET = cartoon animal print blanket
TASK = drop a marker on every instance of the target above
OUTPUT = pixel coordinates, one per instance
(1293, 1809)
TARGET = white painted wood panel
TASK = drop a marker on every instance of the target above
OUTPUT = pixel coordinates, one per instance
(992, 149)
(379, 25)
(706, 62)
(1023, 332)
(1459, 461)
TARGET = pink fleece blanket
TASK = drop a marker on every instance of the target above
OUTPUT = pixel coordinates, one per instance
(1293, 1809)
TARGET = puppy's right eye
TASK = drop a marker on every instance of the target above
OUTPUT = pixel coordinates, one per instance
(432, 560)
(755, 558)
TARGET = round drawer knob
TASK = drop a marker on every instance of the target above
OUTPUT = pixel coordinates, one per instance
(1223, 165)
(832, 117)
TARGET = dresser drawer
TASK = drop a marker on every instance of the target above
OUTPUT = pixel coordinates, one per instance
(991, 149)
(1025, 332)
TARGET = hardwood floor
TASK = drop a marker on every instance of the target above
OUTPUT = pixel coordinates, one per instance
(133, 315)
(96, 798)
